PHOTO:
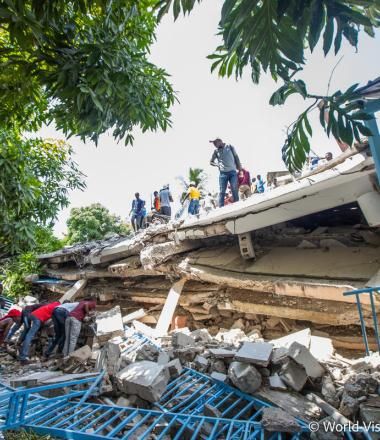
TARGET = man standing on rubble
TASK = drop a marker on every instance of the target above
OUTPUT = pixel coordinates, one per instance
(227, 160)
(137, 212)
(37, 319)
(165, 200)
(73, 323)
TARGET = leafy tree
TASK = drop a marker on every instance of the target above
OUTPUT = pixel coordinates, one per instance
(35, 177)
(93, 222)
(14, 270)
(83, 64)
(274, 36)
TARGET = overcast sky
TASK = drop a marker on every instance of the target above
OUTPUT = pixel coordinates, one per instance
(209, 107)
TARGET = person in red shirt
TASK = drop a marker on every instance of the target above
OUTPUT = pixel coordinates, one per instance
(73, 323)
(244, 184)
(37, 318)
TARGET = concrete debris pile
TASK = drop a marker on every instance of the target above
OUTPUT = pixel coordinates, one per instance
(293, 282)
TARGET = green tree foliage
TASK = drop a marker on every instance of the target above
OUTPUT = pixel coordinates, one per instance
(93, 222)
(274, 36)
(14, 270)
(83, 64)
(35, 177)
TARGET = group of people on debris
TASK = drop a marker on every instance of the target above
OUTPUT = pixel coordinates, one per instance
(235, 184)
(66, 317)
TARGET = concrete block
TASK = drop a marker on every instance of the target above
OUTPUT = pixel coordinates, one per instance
(293, 375)
(276, 383)
(174, 368)
(147, 352)
(137, 314)
(257, 353)
(302, 356)
(180, 339)
(146, 379)
(277, 420)
(219, 376)
(109, 324)
(321, 348)
(201, 335)
(244, 376)
(222, 353)
(201, 363)
(279, 356)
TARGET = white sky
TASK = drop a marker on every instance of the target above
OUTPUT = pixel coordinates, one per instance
(209, 107)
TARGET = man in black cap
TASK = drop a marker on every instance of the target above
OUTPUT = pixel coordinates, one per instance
(227, 160)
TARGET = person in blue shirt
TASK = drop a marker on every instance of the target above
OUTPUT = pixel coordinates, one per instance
(260, 185)
(137, 212)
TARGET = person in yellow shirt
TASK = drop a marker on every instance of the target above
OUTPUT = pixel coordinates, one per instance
(193, 194)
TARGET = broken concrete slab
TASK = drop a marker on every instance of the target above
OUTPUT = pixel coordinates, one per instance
(201, 335)
(109, 324)
(293, 375)
(244, 376)
(33, 379)
(257, 353)
(137, 314)
(277, 420)
(276, 383)
(163, 358)
(201, 363)
(349, 406)
(74, 291)
(279, 355)
(302, 337)
(321, 348)
(300, 354)
(146, 379)
(170, 305)
(222, 353)
(180, 339)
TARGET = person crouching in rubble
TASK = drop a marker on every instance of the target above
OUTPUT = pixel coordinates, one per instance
(74, 321)
(12, 317)
(23, 322)
(59, 317)
(37, 319)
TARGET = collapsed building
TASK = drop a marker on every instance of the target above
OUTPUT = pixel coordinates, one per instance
(275, 263)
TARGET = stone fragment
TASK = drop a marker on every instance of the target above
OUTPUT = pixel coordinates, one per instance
(222, 353)
(257, 353)
(323, 430)
(369, 414)
(232, 337)
(276, 383)
(329, 391)
(279, 356)
(218, 366)
(219, 376)
(201, 363)
(349, 406)
(180, 339)
(174, 368)
(277, 420)
(244, 376)
(201, 335)
(147, 352)
(361, 384)
(293, 375)
(163, 358)
(109, 324)
(300, 354)
(146, 379)
(82, 354)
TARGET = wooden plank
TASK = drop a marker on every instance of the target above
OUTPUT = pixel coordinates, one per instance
(167, 313)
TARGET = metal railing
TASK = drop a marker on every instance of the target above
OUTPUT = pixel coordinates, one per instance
(371, 291)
